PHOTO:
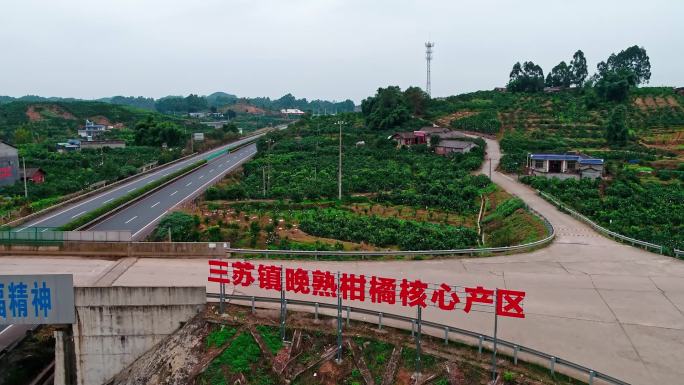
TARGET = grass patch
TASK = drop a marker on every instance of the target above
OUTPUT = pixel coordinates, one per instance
(271, 336)
(219, 337)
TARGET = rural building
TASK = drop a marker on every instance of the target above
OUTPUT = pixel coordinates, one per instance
(69, 145)
(433, 130)
(197, 114)
(564, 166)
(679, 91)
(553, 90)
(406, 138)
(103, 144)
(35, 175)
(217, 124)
(451, 135)
(292, 111)
(91, 130)
(9, 164)
(446, 147)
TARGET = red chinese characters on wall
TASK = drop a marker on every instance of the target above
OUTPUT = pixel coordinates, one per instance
(5, 172)
(353, 287)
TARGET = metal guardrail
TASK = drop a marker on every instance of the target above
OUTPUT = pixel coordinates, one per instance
(470, 251)
(597, 227)
(679, 253)
(552, 361)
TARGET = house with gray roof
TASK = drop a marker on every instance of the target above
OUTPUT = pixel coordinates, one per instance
(564, 166)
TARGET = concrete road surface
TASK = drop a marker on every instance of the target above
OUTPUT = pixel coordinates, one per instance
(141, 216)
(76, 209)
(607, 306)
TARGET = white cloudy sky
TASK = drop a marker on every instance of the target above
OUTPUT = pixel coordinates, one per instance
(331, 49)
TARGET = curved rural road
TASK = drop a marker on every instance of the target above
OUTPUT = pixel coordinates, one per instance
(607, 306)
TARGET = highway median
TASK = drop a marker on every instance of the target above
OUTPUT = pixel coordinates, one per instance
(102, 212)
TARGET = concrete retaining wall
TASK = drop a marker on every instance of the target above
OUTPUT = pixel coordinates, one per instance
(116, 325)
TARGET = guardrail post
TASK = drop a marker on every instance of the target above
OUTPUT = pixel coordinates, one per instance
(515, 354)
(592, 374)
(253, 305)
(339, 321)
(446, 336)
(282, 303)
(379, 321)
(316, 312)
(479, 345)
(553, 366)
(413, 328)
(418, 336)
(222, 292)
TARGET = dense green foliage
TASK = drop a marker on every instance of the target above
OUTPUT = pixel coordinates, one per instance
(648, 211)
(271, 337)
(616, 130)
(155, 133)
(220, 336)
(408, 235)
(485, 122)
(302, 164)
(386, 110)
(528, 77)
(183, 228)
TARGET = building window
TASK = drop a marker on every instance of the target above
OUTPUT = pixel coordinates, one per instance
(538, 164)
(571, 165)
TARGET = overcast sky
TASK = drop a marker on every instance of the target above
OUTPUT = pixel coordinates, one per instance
(327, 49)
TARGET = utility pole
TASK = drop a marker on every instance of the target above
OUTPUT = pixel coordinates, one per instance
(23, 160)
(339, 173)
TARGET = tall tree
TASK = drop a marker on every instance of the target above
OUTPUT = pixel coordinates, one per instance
(417, 100)
(616, 129)
(632, 63)
(560, 76)
(387, 109)
(527, 77)
(578, 66)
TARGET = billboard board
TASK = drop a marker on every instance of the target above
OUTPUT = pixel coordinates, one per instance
(37, 299)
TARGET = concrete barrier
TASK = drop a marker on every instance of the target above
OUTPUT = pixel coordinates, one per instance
(119, 249)
(116, 325)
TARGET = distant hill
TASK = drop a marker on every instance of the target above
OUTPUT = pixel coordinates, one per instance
(47, 120)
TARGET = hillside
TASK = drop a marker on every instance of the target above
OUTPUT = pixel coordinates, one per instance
(51, 121)
(642, 195)
(245, 348)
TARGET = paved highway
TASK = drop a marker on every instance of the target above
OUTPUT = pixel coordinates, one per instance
(141, 216)
(76, 209)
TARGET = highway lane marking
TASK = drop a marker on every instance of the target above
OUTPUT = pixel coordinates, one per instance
(167, 174)
(82, 212)
(44, 230)
(201, 176)
(6, 329)
(133, 189)
(173, 193)
(108, 200)
(188, 184)
(219, 175)
(212, 170)
(131, 219)
(154, 204)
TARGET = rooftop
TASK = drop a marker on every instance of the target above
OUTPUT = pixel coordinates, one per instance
(455, 144)
(581, 158)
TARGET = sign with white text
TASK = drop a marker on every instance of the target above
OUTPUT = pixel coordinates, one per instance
(37, 299)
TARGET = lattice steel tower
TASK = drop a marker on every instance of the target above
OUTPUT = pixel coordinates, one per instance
(428, 58)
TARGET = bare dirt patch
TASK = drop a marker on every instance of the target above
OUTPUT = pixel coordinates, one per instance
(445, 121)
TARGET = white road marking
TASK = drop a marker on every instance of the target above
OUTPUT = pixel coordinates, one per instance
(154, 204)
(82, 212)
(108, 200)
(131, 219)
(167, 174)
(44, 230)
(201, 176)
(188, 184)
(174, 193)
(212, 170)
(6, 329)
(133, 189)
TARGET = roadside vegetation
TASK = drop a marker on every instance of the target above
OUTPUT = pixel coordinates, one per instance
(392, 198)
(638, 131)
